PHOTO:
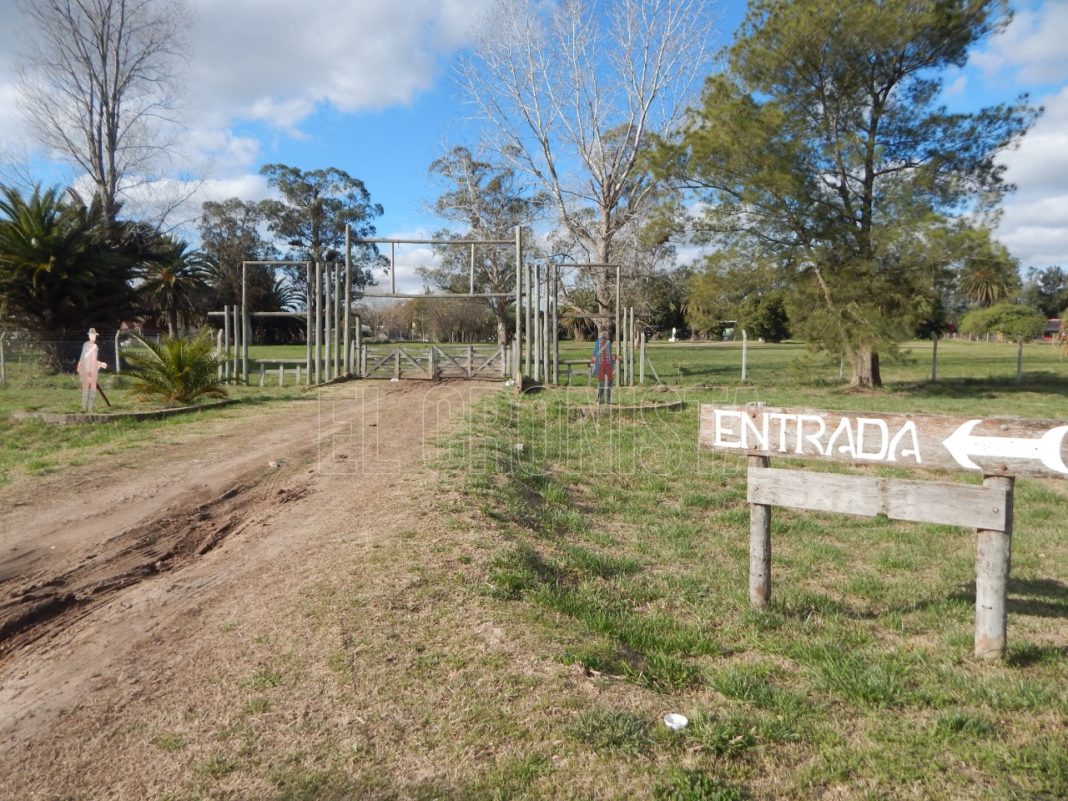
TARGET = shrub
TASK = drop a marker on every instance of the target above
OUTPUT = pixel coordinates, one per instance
(177, 370)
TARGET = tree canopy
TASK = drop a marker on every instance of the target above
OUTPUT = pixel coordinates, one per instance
(488, 201)
(64, 268)
(822, 149)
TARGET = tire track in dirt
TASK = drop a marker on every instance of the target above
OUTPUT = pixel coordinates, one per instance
(105, 619)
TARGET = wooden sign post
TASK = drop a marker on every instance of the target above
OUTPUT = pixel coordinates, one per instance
(998, 448)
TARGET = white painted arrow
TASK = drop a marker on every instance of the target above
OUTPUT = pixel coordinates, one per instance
(961, 444)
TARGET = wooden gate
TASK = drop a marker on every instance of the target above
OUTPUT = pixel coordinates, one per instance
(434, 362)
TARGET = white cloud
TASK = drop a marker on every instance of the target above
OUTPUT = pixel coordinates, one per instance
(275, 62)
(1032, 47)
(1035, 221)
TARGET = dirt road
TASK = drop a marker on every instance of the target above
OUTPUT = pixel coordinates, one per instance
(127, 588)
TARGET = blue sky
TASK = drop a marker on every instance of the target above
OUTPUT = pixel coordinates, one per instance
(367, 87)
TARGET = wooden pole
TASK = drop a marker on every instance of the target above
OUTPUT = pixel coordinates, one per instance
(759, 547)
(536, 330)
(338, 339)
(263, 374)
(641, 360)
(359, 345)
(392, 267)
(307, 321)
(556, 324)
(745, 354)
(298, 375)
(348, 299)
(226, 341)
(244, 321)
(993, 560)
(934, 357)
(328, 314)
(236, 339)
(3, 359)
(518, 345)
(281, 375)
(472, 275)
(318, 322)
(528, 304)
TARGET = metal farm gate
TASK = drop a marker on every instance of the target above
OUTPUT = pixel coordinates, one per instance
(434, 362)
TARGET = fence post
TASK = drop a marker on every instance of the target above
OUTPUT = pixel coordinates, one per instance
(993, 559)
(759, 547)
(745, 353)
(281, 375)
(263, 374)
(298, 375)
(3, 358)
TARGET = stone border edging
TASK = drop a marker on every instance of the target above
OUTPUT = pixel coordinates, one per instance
(61, 419)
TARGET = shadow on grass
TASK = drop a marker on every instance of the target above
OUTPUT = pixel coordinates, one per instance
(1044, 382)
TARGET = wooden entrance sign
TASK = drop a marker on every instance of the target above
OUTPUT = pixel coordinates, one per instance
(998, 448)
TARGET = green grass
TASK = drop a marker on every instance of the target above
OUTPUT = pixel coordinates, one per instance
(625, 551)
(612, 557)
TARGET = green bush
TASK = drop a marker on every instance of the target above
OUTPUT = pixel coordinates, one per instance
(177, 370)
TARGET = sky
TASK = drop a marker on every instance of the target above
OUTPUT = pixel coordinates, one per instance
(369, 87)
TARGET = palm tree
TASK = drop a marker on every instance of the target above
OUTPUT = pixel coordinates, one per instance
(60, 270)
(174, 282)
(177, 370)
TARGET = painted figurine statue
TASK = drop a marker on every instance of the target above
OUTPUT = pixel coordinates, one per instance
(602, 366)
(89, 367)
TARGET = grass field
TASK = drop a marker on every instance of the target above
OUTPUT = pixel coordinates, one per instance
(625, 552)
(611, 547)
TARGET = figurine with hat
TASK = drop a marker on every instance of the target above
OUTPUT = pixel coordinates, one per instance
(88, 368)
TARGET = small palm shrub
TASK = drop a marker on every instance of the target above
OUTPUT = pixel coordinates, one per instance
(177, 370)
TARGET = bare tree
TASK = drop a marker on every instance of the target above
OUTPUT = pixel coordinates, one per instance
(573, 93)
(98, 85)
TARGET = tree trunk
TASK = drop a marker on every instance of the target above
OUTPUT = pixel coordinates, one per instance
(865, 369)
(502, 328)
(172, 323)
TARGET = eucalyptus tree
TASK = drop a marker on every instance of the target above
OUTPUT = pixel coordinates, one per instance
(488, 202)
(312, 212)
(823, 149)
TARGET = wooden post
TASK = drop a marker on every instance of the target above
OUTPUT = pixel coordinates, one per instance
(641, 361)
(528, 308)
(298, 375)
(339, 355)
(470, 358)
(993, 560)
(556, 324)
(281, 375)
(745, 354)
(263, 374)
(328, 314)
(318, 323)
(518, 342)
(535, 300)
(226, 341)
(236, 339)
(430, 363)
(3, 360)
(348, 300)
(307, 321)
(358, 367)
(759, 547)
(244, 322)
(396, 363)
(118, 352)
(934, 357)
